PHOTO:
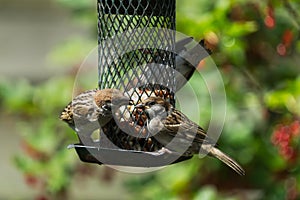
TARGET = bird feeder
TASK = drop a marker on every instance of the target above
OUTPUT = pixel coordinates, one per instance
(134, 37)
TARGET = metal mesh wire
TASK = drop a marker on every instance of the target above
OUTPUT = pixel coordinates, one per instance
(119, 61)
(133, 35)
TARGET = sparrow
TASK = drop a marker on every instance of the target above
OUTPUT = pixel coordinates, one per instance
(178, 133)
(92, 109)
(186, 61)
(139, 94)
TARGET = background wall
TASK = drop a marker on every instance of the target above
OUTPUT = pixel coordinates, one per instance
(30, 30)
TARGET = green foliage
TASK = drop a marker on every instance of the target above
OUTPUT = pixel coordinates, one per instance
(286, 98)
(84, 11)
(17, 97)
(45, 157)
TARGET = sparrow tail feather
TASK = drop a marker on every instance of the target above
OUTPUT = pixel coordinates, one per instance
(227, 160)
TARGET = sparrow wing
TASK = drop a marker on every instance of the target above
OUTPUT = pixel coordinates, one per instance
(78, 108)
(180, 45)
(179, 125)
(187, 61)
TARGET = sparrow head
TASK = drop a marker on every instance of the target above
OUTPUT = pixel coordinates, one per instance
(106, 99)
(92, 104)
(155, 107)
(154, 101)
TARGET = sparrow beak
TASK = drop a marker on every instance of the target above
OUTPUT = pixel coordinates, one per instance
(144, 109)
(140, 106)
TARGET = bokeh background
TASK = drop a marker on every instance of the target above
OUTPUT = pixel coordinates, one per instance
(256, 48)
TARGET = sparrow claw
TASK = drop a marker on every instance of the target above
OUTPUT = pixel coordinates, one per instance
(162, 151)
(165, 150)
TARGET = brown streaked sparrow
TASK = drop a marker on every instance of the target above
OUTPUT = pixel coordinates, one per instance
(178, 133)
(139, 94)
(186, 61)
(92, 108)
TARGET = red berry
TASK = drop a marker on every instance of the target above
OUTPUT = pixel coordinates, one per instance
(269, 19)
(281, 49)
(287, 38)
(295, 128)
(282, 138)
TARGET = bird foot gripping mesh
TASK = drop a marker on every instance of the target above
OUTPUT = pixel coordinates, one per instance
(136, 55)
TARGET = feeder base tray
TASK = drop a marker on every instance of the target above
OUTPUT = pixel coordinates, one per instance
(121, 157)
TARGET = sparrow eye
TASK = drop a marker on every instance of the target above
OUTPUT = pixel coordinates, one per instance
(151, 103)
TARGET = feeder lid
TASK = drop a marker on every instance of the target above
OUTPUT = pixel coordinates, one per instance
(137, 7)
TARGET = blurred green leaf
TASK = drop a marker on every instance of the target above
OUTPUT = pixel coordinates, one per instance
(53, 94)
(18, 96)
(77, 4)
(59, 170)
(288, 97)
(207, 193)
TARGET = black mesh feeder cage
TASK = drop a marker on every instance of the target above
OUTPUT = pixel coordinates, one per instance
(136, 48)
